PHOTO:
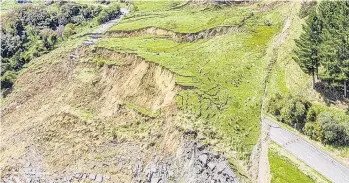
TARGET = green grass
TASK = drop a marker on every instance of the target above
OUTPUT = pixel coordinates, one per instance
(196, 19)
(283, 170)
(286, 76)
(226, 72)
(142, 44)
(149, 6)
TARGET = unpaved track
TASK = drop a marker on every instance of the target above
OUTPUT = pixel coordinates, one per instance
(263, 162)
(312, 156)
(96, 34)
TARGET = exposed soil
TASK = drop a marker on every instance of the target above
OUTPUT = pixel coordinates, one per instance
(73, 120)
(180, 36)
(177, 36)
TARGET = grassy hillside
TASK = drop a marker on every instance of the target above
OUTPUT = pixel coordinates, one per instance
(222, 77)
(287, 78)
(196, 18)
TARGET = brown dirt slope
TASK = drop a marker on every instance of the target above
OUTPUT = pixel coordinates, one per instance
(75, 113)
(78, 119)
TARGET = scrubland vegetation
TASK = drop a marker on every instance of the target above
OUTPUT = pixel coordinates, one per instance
(319, 123)
(30, 30)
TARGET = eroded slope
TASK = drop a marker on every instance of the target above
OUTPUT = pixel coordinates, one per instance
(121, 109)
(78, 120)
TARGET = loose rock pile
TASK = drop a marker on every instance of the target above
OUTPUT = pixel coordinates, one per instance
(31, 176)
(195, 164)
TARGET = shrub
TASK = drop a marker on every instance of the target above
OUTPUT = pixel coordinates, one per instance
(298, 113)
(8, 79)
(108, 14)
(275, 104)
(49, 38)
(60, 31)
(36, 16)
(333, 131)
(87, 13)
(311, 115)
(313, 130)
(68, 30)
(102, 17)
(10, 45)
(77, 19)
(294, 113)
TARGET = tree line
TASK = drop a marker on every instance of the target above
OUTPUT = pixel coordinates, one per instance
(31, 30)
(319, 124)
(323, 47)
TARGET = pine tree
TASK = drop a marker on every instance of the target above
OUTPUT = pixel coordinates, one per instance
(324, 44)
(308, 46)
(334, 47)
(343, 57)
(343, 52)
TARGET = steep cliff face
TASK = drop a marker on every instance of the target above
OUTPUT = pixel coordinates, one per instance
(78, 119)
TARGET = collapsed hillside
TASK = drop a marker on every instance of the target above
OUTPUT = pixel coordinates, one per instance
(79, 118)
(139, 107)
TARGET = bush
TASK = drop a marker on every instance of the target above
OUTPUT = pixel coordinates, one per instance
(275, 105)
(77, 19)
(333, 131)
(8, 79)
(298, 113)
(49, 38)
(36, 16)
(311, 115)
(68, 30)
(102, 17)
(313, 130)
(87, 13)
(108, 14)
(294, 113)
(9, 45)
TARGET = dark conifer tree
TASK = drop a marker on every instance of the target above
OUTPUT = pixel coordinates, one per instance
(324, 44)
(334, 52)
(308, 46)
